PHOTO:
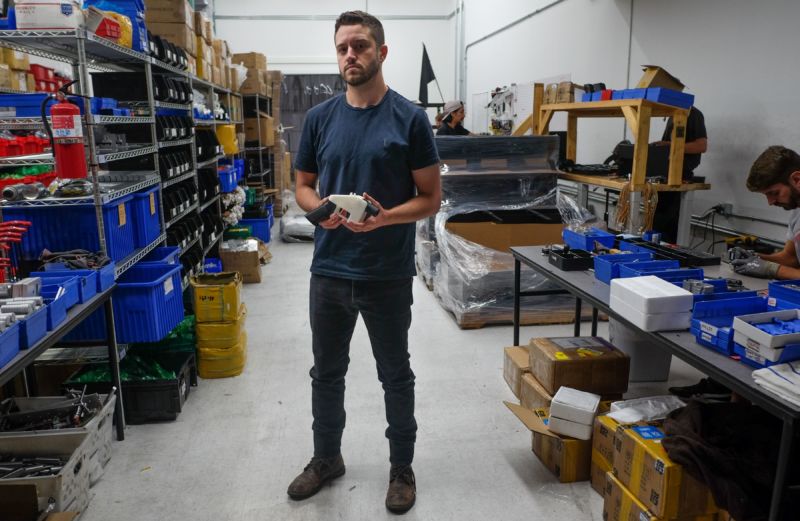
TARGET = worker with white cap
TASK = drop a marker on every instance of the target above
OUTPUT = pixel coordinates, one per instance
(452, 119)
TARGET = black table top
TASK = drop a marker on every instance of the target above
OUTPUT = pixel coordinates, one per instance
(727, 371)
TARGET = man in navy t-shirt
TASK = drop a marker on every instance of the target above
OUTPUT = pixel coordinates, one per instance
(369, 141)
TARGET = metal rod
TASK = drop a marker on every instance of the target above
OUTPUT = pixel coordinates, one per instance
(577, 330)
(113, 365)
(784, 460)
(517, 269)
(148, 72)
(594, 321)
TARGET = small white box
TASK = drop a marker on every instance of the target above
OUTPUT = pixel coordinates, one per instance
(748, 335)
(651, 294)
(569, 428)
(574, 405)
(48, 14)
(673, 321)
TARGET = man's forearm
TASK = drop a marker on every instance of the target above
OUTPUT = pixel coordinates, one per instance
(307, 197)
(788, 273)
(416, 208)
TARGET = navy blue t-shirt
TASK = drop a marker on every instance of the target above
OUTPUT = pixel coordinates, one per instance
(371, 150)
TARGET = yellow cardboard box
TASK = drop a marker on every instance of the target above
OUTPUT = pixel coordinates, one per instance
(641, 464)
(223, 363)
(600, 466)
(16, 60)
(515, 364)
(620, 504)
(221, 335)
(217, 296)
(569, 459)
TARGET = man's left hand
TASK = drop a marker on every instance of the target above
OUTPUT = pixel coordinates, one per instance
(370, 223)
(756, 267)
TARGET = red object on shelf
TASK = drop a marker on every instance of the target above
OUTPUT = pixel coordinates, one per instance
(109, 28)
(69, 152)
(605, 95)
(45, 179)
(40, 72)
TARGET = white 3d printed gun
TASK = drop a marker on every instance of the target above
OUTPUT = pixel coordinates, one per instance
(357, 208)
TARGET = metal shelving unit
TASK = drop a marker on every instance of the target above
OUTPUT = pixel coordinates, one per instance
(190, 245)
(112, 190)
(209, 202)
(176, 106)
(209, 162)
(176, 180)
(29, 160)
(180, 142)
(183, 214)
(138, 255)
(127, 154)
(210, 245)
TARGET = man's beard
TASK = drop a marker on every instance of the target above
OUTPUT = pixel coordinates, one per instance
(794, 199)
(365, 75)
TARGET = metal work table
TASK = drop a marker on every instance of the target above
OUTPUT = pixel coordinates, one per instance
(731, 373)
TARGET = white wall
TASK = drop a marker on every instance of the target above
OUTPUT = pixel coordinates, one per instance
(298, 46)
(736, 56)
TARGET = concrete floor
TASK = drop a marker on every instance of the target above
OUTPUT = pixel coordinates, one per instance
(240, 441)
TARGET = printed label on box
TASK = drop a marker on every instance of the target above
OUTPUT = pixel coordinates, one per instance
(168, 286)
(772, 301)
(708, 328)
(648, 432)
(585, 352)
(561, 355)
(753, 355)
(574, 342)
(123, 216)
(752, 345)
(152, 204)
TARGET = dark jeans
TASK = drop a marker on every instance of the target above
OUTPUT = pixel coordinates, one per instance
(386, 308)
(667, 214)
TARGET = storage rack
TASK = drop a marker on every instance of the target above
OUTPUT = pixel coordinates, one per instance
(253, 106)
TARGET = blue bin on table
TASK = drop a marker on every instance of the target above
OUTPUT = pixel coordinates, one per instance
(606, 267)
(86, 284)
(9, 344)
(33, 328)
(712, 320)
(52, 285)
(585, 240)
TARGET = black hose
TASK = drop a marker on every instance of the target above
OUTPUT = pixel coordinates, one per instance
(46, 123)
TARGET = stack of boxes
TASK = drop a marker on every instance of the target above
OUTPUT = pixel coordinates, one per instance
(204, 37)
(220, 313)
(222, 61)
(14, 71)
(174, 21)
(256, 77)
(283, 159)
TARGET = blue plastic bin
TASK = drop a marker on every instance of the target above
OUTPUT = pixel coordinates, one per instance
(146, 216)
(670, 97)
(56, 312)
(148, 302)
(780, 290)
(670, 275)
(712, 320)
(618, 94)
(634, 93)
(85, 285)
(790, 353)
(585, 240)
(33, 328)
(212, 265)
(64, 228)
(606, 267)
(51, 285)
(227, 179)
(637, 269)
(9, 344)
(92, 327)
(162, 255)
(597, 96)
(104, 277)
(586, 96)
(260, 227)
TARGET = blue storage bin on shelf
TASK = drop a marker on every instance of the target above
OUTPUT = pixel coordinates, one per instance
(56, 312)
(162, 255)
(670, 275)
(670, 97)
(146, 216)
(48, 229)
(227, 179)
(148, 302)
(585, 240)
(212, 265)
(260, 227)
(9, 344)
(634, 93)
(784, 290)
(51, 285)
(618, 94)
(597, 96)
(606, 267)
(87, 285)
(637, 269)
(586, 96)
(33, 328)
(712, 320)
(92, 327)
(104, 277)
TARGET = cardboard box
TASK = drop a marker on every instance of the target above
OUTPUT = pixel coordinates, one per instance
(30, 79)
(251, 60)
(569, 459)
(208, 31)
(515, 363)
(200, 27)
(204, 69)
(221, 335)
(192, 64)
(169, 11)
(501, 237)
(5, 76)
(253, 85)
(245, 262)
(180, 34)
(588, 364)
(600, 466)
(217, 296)
(234, 79)
(220, 47)
(550, 94)
(619, 504)
(568, 92)
(16, 60)
(223, 363)
(204, 51)
(46, 14)
(531, 393)
(216, 76)
(655, 76)
(642, 465)
(262, 124)
(19, 81)
(218, 61)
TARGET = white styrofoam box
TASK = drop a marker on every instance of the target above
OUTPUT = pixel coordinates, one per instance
(670, 321)
(574, 405)
(576, 430)
(48, 14)
(748, 335)
(651, 295)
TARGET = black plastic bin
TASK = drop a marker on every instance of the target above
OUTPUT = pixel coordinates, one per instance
(150, 400)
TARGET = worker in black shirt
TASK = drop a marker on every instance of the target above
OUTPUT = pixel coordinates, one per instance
(669, 203)
(452, 119)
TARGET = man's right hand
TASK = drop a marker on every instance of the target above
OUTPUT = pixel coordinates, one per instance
(332, 222)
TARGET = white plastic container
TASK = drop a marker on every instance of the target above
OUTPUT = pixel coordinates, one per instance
(48, 14)
(574, 405)
(651, 295)
(568, 428)
(670, 321)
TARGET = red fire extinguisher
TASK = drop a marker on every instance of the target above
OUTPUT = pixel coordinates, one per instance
(66, 135)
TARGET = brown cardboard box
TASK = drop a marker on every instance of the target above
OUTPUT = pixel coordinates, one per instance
(170, 11)
(204, 51)
(200, 27)
(216, 76)
(569, 459)
(5, 76)
(600, 466)
(217, 296)
(655, 76)
(180, 34)
(550, 93)
(245, 262)
(19, 81)
(16, 60)
(226, 77)
(218, 61)
(642, 465)
(588, 364)
(620, 504)
(531, 393)
(220, 47)
(234, 78)
(204, 69)
(30, 79)
(208, 31)
(192, 64)
(251, 60)
(251, 129)
(515, 364)
(565, 92)
(501, 237)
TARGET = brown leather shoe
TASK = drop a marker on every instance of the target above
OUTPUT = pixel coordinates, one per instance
(318, 472)
(402, 491)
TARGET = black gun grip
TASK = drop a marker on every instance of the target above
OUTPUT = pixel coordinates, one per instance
(371, 209)
(321, 213)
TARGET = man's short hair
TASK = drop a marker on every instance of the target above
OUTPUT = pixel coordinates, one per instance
(361, 18)
(774, 165)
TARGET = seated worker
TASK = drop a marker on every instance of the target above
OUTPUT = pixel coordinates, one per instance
(452, 119)
(776, 174)
(669, 203)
